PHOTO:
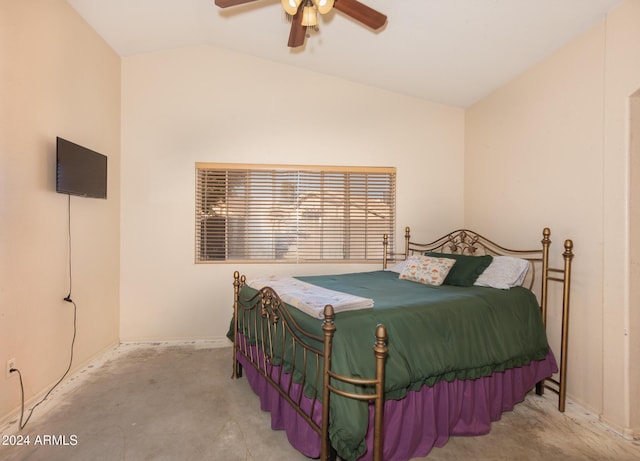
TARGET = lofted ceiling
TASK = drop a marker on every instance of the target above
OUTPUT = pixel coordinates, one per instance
(447, 51)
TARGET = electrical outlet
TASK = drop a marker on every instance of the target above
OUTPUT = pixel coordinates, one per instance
(11, 363)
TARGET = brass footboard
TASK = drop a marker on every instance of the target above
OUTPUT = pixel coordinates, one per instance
(278, 348)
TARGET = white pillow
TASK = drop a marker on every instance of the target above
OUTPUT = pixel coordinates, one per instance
(504, 272)
(398, 267)
(426, 269)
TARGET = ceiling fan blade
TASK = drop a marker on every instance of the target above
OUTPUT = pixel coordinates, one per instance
(298, 31)
(228, 3)
(361, 12)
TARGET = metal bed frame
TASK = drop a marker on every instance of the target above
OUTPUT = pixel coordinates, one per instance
(263, 325)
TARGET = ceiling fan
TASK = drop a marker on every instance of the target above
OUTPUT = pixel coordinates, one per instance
(303, 13)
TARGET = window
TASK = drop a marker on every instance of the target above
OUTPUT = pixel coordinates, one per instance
(279, 213)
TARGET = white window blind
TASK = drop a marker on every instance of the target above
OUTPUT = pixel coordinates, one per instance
(285, 213)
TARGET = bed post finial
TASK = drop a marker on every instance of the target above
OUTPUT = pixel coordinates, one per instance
(329, 315)
(568, 248)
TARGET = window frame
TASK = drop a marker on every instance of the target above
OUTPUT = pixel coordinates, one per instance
(359, 198)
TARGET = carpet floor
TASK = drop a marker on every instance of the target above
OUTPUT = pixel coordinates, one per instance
(177, 402)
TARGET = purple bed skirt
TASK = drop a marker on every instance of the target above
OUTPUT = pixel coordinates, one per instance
(422, 420)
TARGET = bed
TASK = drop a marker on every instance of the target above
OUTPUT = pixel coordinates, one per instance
(425, 362)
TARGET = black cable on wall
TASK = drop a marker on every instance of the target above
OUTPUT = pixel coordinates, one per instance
(23, 421)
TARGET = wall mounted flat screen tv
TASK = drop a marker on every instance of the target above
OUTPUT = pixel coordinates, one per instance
(80, 171)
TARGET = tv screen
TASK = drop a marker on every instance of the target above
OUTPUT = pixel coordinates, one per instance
(80, 171)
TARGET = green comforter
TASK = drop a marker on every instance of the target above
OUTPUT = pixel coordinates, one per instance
(435, 333)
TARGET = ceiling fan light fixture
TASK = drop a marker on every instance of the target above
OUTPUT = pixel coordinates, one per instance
(324, 6)
(309, 17)
(291, 6)
(303, 14)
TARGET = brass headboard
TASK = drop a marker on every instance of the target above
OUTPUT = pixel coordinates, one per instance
(464, 241)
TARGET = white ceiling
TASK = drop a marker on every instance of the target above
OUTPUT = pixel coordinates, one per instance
(448, 51)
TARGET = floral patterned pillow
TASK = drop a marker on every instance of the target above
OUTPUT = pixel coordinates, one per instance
(427, 269)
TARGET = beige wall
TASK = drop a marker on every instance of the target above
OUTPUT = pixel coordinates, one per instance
(206, 104)
(556, 139)
(555, 142)
(57, 78)
(622, 67)
(534, 154)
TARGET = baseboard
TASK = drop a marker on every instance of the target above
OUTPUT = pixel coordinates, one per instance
(10, 423)
(632, 433)
(596, 417)
(629, 433)
(214, 342)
